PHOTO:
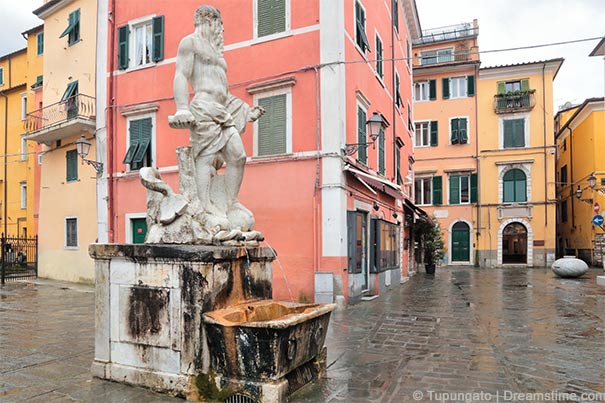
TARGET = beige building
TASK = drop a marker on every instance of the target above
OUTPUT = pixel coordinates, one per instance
(67, 213)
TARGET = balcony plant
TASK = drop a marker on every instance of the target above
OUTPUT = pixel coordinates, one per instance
(428, 234)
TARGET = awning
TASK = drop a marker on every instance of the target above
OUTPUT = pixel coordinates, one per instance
(422, 215)
(377, 183)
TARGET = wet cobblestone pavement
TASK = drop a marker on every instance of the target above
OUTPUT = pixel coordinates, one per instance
(461, 331)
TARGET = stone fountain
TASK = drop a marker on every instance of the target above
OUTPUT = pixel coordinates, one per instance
(190, 311)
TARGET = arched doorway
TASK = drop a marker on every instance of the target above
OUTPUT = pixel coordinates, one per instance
(461, 242)
(514, 244)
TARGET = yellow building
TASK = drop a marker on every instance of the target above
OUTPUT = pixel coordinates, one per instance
(445, 68)
(68, 213)
(580, 138)
(517, 202)
(17, 208)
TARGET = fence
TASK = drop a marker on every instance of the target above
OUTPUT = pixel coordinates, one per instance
(19, 256)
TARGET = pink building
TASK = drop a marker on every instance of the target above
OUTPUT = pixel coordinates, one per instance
(321, 69)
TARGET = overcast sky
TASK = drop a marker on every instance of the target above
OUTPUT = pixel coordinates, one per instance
(502, 24)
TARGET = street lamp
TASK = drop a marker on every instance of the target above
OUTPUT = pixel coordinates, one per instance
(374, 125)
(83, 147)
(592, 181)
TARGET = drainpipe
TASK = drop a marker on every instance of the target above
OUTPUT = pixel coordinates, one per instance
(545, 167)
(478, 229)
(3, 94)
(571, 191)
(111, 125)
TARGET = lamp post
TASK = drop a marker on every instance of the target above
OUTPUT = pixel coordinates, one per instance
(83, 147)
(374, 125)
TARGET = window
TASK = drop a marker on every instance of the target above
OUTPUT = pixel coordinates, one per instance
(73, 28)
(70, 99)
(271, 17)
(398, 164)
(138, 154)
(381, 152)
(513, 131)
(357, 241)
(564, 175)
(408, 52)
(39, 82)
(70, 91)
(511, 86)
(23, 195)
(422, 134)
(515, 189)
(437, 56)
(23, 149)
(565, 144)
(421, 90)
(460, 189)
(146, 45)
(1, 75)
(385, 245)
(459, 131)
(457, 87)
(423, 191)
(40, 43)
(362, 155)
(398, 100)
(564, 211)
(379, 57)
(71, 165)
(361, 38)
(23, 106)
(71, 232)
(273, 126)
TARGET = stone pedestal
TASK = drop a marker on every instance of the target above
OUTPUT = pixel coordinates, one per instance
(149, 304)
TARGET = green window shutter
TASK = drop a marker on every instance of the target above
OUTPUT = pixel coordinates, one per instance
(437, 191)
(455, 189)
(432, 90)
(454, 135)
(434, 133)
(39, 81)
(272, 126)
(501, 87)
(134, 138)
(470, 86)
(381, 164)
(40, 39)
(362, 153)
(144, 126)
(462, 131)
(474, 189)
(525, 85)
(519, 130)
(445, 83)
(71, 163)
(70, 25)
(70, 91)
(271, 15)
(123, 32)
(158, 38)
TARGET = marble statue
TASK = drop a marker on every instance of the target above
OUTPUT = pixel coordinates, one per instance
(207, 210)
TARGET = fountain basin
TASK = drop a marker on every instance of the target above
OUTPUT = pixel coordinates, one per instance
(265, 340)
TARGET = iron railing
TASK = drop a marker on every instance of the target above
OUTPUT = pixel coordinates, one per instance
(19, 258)
(507, 103)
(448, 33)
(78, 106)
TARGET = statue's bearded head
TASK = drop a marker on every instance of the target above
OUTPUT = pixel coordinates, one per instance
(208, 22)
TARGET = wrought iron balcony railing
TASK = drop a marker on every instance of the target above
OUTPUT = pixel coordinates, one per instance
(77, 106)
(449, 33)
(514, 102)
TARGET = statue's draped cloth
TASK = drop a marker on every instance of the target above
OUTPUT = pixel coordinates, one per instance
(216, 123)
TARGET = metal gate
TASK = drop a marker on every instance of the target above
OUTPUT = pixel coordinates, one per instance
(19, 258)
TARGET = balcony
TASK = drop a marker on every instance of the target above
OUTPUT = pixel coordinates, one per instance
(63, 119)
(518, 101)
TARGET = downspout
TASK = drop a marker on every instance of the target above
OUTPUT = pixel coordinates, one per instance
(571, 180)
(478, 229)
(316, 208)
(5, 153)
(394, 91)
(111, 126)
(545, 162)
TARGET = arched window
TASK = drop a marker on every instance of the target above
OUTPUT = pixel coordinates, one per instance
(515, 186)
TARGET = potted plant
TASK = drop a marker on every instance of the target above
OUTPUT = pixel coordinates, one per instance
(429, 236)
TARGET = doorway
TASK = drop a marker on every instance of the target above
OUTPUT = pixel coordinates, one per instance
(461, 242)
(139, 229)
(514, 244)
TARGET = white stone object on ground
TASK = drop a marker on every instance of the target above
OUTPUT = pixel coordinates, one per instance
(601, 280)
(569, 267)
